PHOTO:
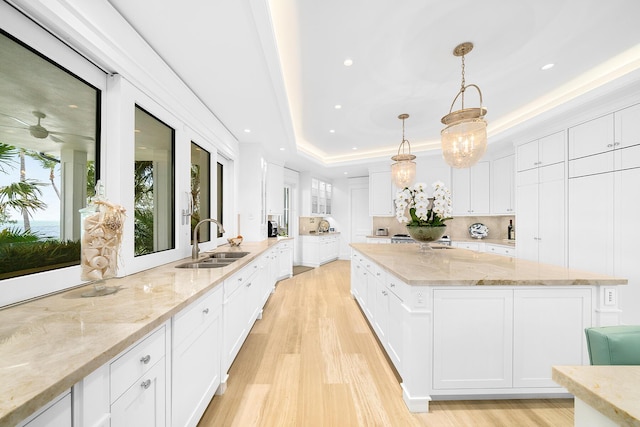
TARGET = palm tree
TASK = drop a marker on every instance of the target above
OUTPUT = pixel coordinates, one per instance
(7, 157)
(23, 196)
(47, 162)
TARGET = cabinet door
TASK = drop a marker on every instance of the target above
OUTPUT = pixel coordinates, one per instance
(551, 149)
(548, 330)
(56, 414)
(472, 332)
(285, 262)
(527, 156)
(502, 185)
(590, 222)
(143, 404)
(460, 191)
(626, 238)
(592, 137)
(381, 310)
(235, 326)
(196, 373)
(275, 189)
(381, 194)
(551, 216)
(395, 330)
(527, 215)
(480, 196)
(627, 127)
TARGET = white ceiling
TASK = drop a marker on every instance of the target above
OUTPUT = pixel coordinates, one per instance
(276, 66)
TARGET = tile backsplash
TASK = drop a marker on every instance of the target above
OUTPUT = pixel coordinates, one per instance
(457, 228)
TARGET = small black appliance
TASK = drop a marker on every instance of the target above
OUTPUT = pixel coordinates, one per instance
(272, 229)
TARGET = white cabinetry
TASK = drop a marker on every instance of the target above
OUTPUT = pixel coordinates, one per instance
(318, 250)
(241, 295)
(500, 249)
(541, 152)
(137, 384)
(471, 341)
(472, 246)
(503, 196)
(466, 323)
(548, 330)
(56, 413)
(275, 189)
(378, 240)
(540, 197)
(604, 171)
(197, 346)
(470, 191)
(381, 194)
(285, 259)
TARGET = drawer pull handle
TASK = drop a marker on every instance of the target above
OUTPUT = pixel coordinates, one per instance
(145, 359)
(248, 284)
(393, 285)
(239, 279)
(145, 384)
(206, 311)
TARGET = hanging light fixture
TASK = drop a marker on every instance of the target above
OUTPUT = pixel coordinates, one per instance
(403, 171)
(464, 139)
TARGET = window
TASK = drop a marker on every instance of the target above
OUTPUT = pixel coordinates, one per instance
(154, 185)
(49, 135)
(200, 190)
(220, 193)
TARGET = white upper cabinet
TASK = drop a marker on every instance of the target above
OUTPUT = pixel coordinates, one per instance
(381, 194)
(592, 137)
(470, 192)
(541, 152)
(503, 185)
(275, 189)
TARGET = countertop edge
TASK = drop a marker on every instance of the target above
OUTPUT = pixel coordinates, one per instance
(563, 376)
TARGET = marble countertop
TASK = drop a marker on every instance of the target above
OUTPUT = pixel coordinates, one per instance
(612, 390)
(49, 344)
(452, 266)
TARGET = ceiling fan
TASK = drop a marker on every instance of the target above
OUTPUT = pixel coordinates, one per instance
(39, 131)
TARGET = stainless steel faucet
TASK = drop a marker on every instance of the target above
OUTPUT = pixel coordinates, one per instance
(195, 250)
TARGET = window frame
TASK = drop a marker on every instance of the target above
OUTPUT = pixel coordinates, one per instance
(16, 25)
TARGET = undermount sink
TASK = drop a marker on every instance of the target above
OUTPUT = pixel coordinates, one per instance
(214, 260)
(223, 255)
(208, 263)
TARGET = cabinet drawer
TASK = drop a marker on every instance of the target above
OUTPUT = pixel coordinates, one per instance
(397, 287)
(285, 244)
(136, 361)
(198, 315)
(472, 246)
(240, 278)
(501, 250)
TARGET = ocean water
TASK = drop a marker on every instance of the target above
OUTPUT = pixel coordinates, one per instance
(46, 229)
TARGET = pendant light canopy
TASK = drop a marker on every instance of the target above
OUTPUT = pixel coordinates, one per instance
(464, 139)
(403, 170)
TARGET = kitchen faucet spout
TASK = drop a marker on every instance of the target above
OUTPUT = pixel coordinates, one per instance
(195, 250)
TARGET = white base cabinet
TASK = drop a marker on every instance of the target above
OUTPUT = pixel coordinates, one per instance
(318, 250)
(56, 413)
(468, 342)
(197, 344)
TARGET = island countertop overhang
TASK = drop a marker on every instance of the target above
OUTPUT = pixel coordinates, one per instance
(461, 267)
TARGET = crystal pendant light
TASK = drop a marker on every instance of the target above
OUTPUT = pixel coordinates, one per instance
(464, 139)
(403, 170)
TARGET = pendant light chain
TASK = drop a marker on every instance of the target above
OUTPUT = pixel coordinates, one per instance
(462, 84)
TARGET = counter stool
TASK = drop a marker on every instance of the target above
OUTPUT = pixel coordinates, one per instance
(614, 345)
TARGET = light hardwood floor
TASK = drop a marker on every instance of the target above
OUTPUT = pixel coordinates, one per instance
(313, 361)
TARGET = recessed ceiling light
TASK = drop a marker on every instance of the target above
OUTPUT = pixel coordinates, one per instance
(547, 67)
(72, 106)
(337, 106)
(281, 148)
(346, 173)
(332, 131)
(354, 148)
(247, 131)
(348, 62)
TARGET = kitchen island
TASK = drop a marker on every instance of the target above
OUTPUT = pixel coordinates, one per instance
(458, 324)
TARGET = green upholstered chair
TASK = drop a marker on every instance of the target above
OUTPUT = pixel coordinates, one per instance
(614, 345)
